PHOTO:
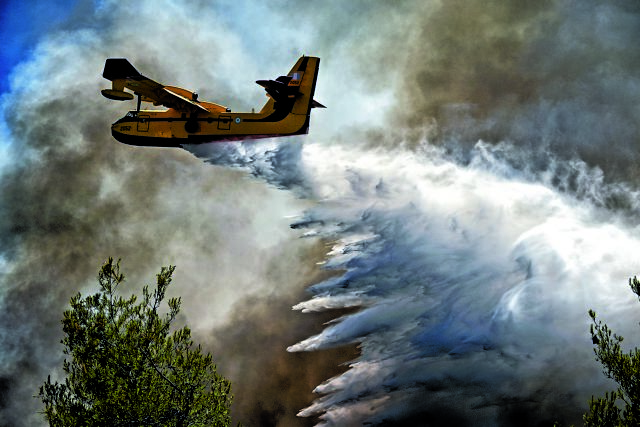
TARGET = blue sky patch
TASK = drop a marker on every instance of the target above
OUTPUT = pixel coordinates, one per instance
(21, 26)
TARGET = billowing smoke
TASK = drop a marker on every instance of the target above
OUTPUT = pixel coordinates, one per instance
(469, 193)
(548, 75)
(72, 196)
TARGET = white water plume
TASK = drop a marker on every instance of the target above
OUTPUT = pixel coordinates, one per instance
(472, 282)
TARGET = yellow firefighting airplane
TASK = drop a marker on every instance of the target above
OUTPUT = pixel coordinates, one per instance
(190, 121)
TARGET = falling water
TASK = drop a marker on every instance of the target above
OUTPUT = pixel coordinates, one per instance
(471, 281)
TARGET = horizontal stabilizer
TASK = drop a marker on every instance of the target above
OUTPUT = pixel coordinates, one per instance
(316, 104)
(279, 89)
(284, 79)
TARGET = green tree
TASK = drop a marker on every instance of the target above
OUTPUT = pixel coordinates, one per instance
(128, 369)
(623, 368)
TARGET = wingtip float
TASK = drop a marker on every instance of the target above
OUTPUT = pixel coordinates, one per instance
(191, 121)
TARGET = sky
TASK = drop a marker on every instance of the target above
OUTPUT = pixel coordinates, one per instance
(425, 256)
(22, 24)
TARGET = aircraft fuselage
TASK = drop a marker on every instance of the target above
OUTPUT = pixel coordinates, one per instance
(170, 128)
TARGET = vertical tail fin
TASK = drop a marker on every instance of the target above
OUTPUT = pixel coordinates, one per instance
(293, 93)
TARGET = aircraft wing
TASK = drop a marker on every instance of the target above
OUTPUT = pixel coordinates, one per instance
(122, 74)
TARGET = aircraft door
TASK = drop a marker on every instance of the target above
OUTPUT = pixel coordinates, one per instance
(224, 122)
(143, 123)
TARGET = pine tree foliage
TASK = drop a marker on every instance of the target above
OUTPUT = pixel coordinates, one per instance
(622, 406)
(127, 368)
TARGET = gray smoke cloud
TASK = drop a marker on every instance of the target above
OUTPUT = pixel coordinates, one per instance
(72, 196)
(453, 270)
(554, 76)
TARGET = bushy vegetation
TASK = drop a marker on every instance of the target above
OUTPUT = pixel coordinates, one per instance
(126, 368)
(620, 407)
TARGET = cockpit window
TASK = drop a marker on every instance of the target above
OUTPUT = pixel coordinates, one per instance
(131, 115)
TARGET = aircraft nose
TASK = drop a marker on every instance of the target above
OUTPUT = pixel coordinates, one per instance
(120, 136)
